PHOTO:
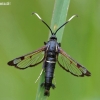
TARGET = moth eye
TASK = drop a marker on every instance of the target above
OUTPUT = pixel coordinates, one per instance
(45, 43)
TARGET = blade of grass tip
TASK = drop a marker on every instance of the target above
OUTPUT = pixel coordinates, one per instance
(58, 18)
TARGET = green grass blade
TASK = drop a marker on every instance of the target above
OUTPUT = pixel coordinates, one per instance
(58, 18)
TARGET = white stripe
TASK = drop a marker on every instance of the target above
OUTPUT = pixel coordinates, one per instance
(51, 61)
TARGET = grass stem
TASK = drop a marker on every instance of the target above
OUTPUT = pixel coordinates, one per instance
(58, 18)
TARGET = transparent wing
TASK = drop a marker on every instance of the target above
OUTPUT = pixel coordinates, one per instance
(30, 60)
(70, 65)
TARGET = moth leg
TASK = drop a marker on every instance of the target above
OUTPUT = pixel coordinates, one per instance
(53, 86)
(42, 85)
(39, 76)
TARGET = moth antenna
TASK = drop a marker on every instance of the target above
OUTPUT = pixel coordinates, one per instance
(66, 23)
(43, 21)
(39, 76)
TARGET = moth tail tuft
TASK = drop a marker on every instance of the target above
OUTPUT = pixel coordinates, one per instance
(46, 93)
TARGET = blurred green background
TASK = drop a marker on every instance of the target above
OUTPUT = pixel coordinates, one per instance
(21, 33)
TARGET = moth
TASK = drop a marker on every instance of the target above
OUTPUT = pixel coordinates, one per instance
(50, 54)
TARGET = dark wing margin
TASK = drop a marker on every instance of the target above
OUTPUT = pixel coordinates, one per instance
(29, 60)
(70, 65)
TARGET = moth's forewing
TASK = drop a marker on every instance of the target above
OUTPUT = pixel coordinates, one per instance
(30, 60)
(70, 65)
